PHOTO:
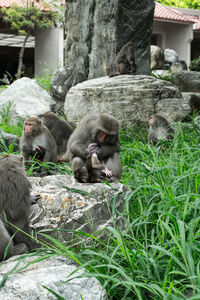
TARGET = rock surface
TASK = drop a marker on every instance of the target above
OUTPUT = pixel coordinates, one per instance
(157, 57)
(129, 98)
(62, 80)
(170, 56)
(28, 283)
(27, 98)
(187, 81)
(96, 31)
(66, 204)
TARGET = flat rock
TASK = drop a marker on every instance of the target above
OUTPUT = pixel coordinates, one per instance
(52, 272)
(129, 98)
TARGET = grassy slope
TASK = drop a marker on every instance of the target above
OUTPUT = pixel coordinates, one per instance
(157, 255)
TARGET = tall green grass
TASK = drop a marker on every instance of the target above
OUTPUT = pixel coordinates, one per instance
(156, 254)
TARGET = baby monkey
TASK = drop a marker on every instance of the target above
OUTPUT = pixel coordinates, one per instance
(94, 171)
(159, 129)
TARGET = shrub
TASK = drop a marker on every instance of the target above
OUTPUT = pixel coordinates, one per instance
(195, 64)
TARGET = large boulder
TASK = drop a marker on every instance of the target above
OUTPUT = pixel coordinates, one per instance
(157, 57)
(67, 204)
(25, 98)
(28, 280)
(129, 98)
(187, 81)
(170, 56)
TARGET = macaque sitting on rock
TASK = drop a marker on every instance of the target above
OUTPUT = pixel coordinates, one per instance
(95, 134)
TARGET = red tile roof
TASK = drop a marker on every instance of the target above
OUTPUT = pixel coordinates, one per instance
(171, 14)
(196, 21)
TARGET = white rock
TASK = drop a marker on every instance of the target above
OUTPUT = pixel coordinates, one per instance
(28, 283)
(27, 98)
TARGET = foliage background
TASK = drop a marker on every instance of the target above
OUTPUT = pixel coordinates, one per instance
(181, 3)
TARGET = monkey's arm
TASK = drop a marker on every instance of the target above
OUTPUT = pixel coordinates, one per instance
(80, 150)
(27, 148)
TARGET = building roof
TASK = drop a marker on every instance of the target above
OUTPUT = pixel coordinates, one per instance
(173, 14)
(194, 14)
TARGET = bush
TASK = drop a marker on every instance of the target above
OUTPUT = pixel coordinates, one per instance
(195, 64)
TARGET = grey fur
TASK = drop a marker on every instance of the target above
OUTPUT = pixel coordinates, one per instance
(59, 129)
(15, 201)
(159, 129)
(86, 133)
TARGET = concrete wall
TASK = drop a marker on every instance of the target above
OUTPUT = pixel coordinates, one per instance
(49, 45)
(175, 36)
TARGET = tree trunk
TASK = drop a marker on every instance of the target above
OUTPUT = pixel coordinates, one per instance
(21, 55)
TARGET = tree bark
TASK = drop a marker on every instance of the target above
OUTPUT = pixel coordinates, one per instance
(21, 55)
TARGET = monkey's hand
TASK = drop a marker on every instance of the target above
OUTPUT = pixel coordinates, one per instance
(107, 172)
(39, 149)
(87, 153)
(27, 149)
(94, 148)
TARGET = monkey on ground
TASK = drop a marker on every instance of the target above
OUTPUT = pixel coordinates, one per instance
(15, 201)
(101, 130)
(126, 61)
(195, 103)
(159, 129)
(59, 129)
(37, 141)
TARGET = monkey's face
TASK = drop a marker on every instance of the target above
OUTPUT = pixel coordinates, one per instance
(32, 127)
(101, 136)
(28, 127)
(106, 139)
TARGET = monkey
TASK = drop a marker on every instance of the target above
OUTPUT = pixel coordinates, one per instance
(101, 130)
(15, 201)
(195, 103)
(7, 139)
(59, 129)
(93, 171)
(159, 129)
(97, 170)
(126, 61)
(37, 141)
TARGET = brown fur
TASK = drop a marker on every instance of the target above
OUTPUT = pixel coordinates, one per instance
(38, 141)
